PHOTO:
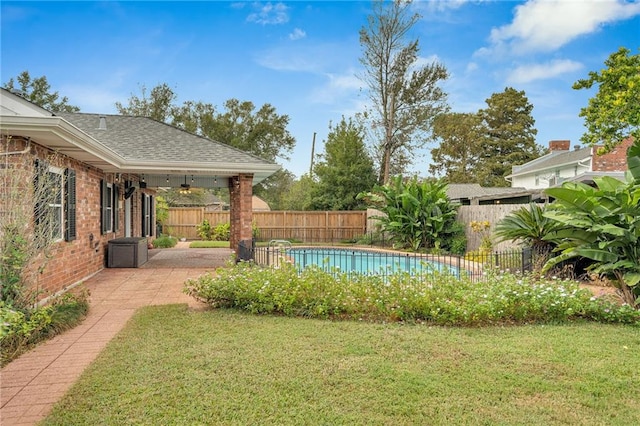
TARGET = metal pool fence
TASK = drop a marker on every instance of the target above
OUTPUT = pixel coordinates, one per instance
(365, 260)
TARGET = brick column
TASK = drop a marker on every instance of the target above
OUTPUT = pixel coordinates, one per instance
(241, 213)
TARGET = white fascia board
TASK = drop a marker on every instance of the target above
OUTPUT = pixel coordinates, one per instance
(555, 166)
(62, 130)
(198, 167)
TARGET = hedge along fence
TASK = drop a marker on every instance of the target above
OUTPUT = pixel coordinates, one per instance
(306, 226)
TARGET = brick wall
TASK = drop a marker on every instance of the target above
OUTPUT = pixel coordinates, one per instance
(614, 161)
(68, 262)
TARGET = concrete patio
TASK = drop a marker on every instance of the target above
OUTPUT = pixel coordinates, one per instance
(33, 383)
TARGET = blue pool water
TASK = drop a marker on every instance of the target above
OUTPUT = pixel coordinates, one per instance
(366, 262)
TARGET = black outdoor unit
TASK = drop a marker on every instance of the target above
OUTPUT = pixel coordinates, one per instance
(127, 253)
(245, 251)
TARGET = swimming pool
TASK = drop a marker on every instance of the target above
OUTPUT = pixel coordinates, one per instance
(369, 262)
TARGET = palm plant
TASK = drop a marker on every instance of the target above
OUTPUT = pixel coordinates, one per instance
(417, 214)
(602, 224)
(529, 226)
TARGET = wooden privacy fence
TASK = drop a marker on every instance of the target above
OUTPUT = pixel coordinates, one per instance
(306, 226)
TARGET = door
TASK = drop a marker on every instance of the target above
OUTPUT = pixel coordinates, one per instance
(127, 217)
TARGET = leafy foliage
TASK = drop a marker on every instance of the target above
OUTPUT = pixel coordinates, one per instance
(458, 155)
(510, 136)
(20, 329)
(38, 91)
(529, 226)
(482, 147)
(417, 214)
(220, 232)
(158, 105)
(165, 241)
(447, 301)
(613, 114)
(344, 170)
(602, 224)
(405, 95)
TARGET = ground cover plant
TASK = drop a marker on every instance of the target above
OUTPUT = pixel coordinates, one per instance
(23, 327)
(174, 366)
(441, 299)
(164, 241)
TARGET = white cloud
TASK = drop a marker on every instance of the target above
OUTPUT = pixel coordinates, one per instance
(471, 67)
(297, 34)
(303, 57)
(532, 72)
(432, 6)
(546, 25)
(269, 13)
(337, 86)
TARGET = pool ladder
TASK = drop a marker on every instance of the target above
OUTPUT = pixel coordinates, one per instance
(275, 247)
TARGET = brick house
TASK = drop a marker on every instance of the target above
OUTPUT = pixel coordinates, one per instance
(562, 164)
(105, 170)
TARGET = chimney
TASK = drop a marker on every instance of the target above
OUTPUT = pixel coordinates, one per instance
(103, 123)
(563, 145)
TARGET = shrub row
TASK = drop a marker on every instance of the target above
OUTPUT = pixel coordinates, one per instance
(443, 300)
(20, 329)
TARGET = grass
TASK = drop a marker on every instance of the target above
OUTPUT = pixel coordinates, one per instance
(209, 244)
(174, 366)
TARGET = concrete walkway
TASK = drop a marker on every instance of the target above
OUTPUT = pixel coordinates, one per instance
(31, 384)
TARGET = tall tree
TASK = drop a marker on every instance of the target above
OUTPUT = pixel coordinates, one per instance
(613, 113)
(405, 94)
(38, 91)
(510, 138)
(158, 105)
(263, 132)
(344, 170)
(298, 195)
(457, 157)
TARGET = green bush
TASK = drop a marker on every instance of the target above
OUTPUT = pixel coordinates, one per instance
(21, 329)
(164, 242)
(221, 232)
(500, 299)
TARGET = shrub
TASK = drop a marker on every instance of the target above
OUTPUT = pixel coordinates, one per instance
(165, 242)
(21, 329)
(444, 300)
(221, 232)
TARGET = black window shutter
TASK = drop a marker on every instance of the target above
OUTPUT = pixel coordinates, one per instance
(144, 218)
(151, 210)
(116, 196)
(70, 205)
(103, 206)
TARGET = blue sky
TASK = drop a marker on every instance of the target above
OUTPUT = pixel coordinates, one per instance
(303, 56)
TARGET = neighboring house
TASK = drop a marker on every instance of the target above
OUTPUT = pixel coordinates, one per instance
(564, 164)
(473, 194)
(104, 171)
(259, 205)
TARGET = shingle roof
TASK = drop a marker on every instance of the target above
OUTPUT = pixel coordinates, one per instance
(142, 138)
(552, 160)
(457, 191)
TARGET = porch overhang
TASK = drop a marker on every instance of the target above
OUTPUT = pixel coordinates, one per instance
(59, 135)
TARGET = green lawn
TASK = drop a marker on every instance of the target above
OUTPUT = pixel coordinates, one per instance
(209, 244)
(173, 366)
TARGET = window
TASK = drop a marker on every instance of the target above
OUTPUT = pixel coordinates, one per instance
(55, 203)
(108, 207)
